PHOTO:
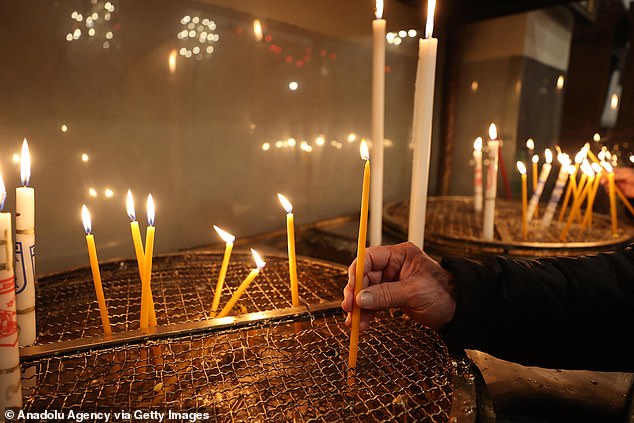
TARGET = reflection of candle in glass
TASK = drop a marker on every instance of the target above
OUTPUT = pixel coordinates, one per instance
(492, 184)
(421, 129)
(228, 239)
(522, 169)
(555, 196)
(363, 223)
(378, 119)
(94, 266)
(25, 251)
(477, 174)
(543, 177)
(292, 260)
(244, 285)
(9, 352)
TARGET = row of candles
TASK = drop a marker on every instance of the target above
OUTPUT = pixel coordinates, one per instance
(583, 190)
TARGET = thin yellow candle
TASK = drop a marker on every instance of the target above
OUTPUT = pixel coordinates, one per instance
(611, 192)
(587, 170)
(148, 314)
(592, 194)
(96, 276)
(228, 239)
(624, 199)
(363, 224)
(136, 241)
(522, 169)
(535, 175)
(572, 183)
(244, 285)
(292, 259)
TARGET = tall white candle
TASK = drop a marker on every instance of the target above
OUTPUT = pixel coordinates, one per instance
(493, 147)
(10, 385)
(555, 196)
(543, 177)
(421, 129)
(25, 251)
(378, 117)
(477, 175)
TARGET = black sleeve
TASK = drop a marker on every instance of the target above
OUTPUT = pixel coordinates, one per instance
(574, 313)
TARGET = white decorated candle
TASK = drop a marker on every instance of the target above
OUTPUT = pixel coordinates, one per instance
(25, 251)
(543, 177)
(421, 129)
(477, 175)
(492, 184)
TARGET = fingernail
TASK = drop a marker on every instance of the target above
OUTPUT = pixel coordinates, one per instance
(365, 299)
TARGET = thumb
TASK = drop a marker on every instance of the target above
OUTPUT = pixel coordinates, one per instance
(382, 296)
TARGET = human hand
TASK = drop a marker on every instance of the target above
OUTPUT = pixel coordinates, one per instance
(401, 276)
(624, 179)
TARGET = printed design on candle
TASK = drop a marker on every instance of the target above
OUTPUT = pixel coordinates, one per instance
(8, 316)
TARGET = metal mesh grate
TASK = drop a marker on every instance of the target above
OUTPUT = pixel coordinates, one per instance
(182, 286)
(269, 371)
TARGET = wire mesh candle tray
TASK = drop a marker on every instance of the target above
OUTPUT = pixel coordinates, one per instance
(453, 227)
(267, 362)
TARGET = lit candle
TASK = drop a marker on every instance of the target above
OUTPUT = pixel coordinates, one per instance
(492, 184)
(477, 174)
(587, 219)
(136, 240)
(292, 260)
(576, 205)
(530, 146)
(363, 222)
(25, 251)
(572, 184)
(378, 119)
(555, 196)
(534, 175)
(94, 266)
(228, 239)
(543, 177)
(10, 384)
(611, 192)
(244, 285)
(421, 129)
(148, 314)
(522, 169)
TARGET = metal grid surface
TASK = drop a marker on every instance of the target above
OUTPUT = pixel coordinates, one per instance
(268, 371)
(183, 286)
(452, 223)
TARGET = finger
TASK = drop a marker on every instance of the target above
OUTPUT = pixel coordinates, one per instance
(383, 296)
(348, 298)
(366, 318)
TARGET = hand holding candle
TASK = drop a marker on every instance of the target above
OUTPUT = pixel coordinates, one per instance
(522, 169)
(228, 239)
(292, 260)
(10, 383)
(25, 251)
(363, 222)
(96, 275)
(477, 175)
(244, 285)
(543, 177)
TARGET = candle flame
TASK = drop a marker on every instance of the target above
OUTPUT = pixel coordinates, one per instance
(363, 149)
(571, 169)
(150, 210)
(3, 193)
(564, 159)
(601, 155)
(429, 26)
(596, 137)
(549, 155)
(535, 158)
(285, 203)
(257, 29)
(587, 169)
(258, 260)
(379, 9)
(226, 236)
(521, 167)
(530, 144)
(171, 61)
(607, 166)
(85, 218)
(597, 168)
(632, 158)
(493, 132)
(477, 144)
(25, 163)
(581, 155)
(129, 206)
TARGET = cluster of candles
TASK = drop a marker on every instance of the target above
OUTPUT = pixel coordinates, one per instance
(580, 181)
(144, 262)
